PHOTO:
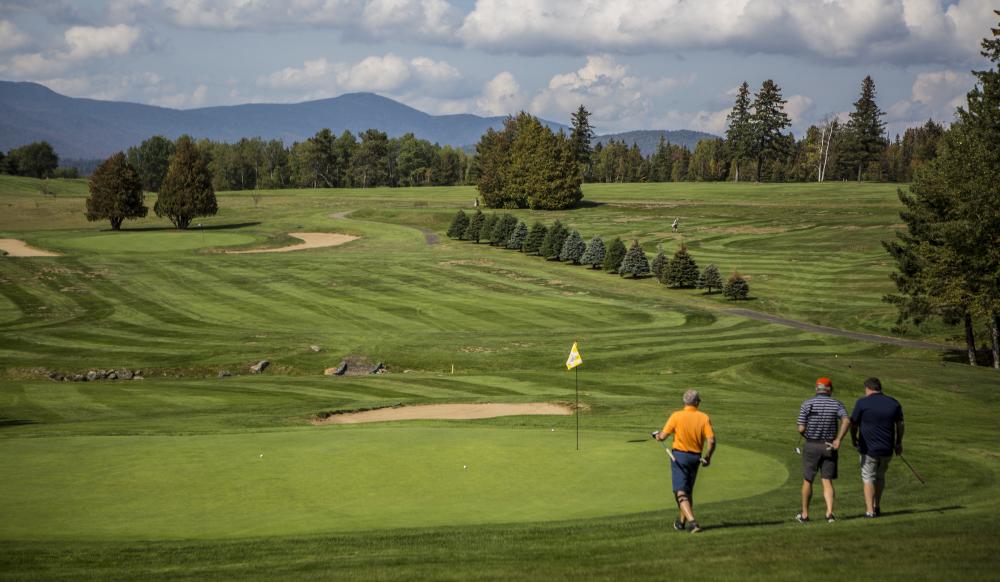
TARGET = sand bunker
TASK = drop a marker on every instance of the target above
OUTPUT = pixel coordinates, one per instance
(447, 412)
(18, 248)
(310, 240)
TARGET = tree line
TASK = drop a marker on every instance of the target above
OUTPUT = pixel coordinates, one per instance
(948, 257)
(35, 160)
(558, 243)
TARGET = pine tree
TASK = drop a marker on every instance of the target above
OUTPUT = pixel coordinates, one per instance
(536, 236)
(659, 266)
(767, 121)
(115, 192)
(573, 248)
(594, 255)
(739, 134)
(615, 255)
(736, 288)
(186, 192)
(486, 230)
(458, 225)
(710, 279)
(502, 230)
(581, 138)
(866, 139)
(475, 227)
(517, 237)
(682, 270)
(634, 264)
(553, 242)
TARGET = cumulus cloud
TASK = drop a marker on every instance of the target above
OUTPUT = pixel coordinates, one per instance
(10, 37)
(501, 95)
(420, 19)
(935, 95)
(196, 98)
(80, 43)
(837, 30)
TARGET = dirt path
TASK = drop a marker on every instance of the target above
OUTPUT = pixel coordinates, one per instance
(18, 248)
(447, 412)
(311, 240)
(865, 337)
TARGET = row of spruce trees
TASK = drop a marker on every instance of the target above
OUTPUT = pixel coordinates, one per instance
(558, 243)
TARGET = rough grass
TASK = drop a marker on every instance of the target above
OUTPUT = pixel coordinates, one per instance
(505, 322)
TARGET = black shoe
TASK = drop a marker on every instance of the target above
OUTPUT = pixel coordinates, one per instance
(693, 527)
(878, 512)
(679, 524)
(831, 518)
(801, 518)
(870, 515)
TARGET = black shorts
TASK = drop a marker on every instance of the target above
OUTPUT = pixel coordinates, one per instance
(818, 456)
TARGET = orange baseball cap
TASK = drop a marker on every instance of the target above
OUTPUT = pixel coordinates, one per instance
(824, 384)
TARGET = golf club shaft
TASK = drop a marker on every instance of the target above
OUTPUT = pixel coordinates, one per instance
(912, 470)
(669, 452)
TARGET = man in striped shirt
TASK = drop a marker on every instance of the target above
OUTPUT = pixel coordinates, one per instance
(823, 421)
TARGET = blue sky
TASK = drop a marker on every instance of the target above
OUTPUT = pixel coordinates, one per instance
(636, 64)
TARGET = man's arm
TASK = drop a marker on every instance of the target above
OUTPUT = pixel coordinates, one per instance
(845, 423)
(899, 437)
(709, 450)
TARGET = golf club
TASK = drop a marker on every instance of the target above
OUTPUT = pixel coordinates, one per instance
(912, 470)
(665, 448)
(798, 445)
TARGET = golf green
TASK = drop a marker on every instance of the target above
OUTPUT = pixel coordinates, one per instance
(155, 241)
(342, 479)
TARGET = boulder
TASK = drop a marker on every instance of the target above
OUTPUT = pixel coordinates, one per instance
(102, 374)
(340, 370)
(137, 377)
(378, 369)
(79, 378)
(314, 348)
(224, 374)
(112, 375)
(259, 367)
(125, 374)
(91, 376)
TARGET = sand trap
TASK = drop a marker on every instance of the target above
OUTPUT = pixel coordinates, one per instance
(447, 412)
(18, 248)
(311, 240)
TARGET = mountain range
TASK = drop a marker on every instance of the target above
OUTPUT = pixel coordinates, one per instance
(88, 128)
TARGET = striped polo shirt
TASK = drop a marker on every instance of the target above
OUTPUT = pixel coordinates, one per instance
(821, 416)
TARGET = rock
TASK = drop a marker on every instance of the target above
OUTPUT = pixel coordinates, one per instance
(314, 348)
(224, 374)
(378, 369)
(79, 378)
(91, 376)
(259, 367)
(112, 375)
(102, 374)
(138, 378)
(137, 373)
(56, 376)
(125, 374)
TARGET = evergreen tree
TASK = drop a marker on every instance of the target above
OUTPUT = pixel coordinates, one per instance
(115, 192)
(475, 227)
(615, 255)
(573, 248)
(458, 225)
(682, 271)
(659, 267)
(594, 255)
(186, 192)
(486, 231)
(517, 237)
(151, 159)
(739, 134)
(533, 242)
(581, 138)
(865, 130)
(767, 122)
(710, 279)
(553, 242)
(736, 288)
(502, 230)
(634, 264)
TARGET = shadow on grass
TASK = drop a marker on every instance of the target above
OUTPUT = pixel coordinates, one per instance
(5, 422)
(961, 356)
(192, 228)
(588, 204)
(757, 523)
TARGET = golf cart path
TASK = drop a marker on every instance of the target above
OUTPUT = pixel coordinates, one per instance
(18, 248)
(865, 337)
(447, 412)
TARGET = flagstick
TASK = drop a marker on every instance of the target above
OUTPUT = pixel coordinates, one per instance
(577, 370)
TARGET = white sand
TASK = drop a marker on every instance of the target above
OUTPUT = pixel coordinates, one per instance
(447, 412)
(18, 248)
(311, 240)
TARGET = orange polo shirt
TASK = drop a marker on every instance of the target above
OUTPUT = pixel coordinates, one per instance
(690, 427)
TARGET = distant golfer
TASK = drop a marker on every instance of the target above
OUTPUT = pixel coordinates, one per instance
(823, 422)
(877, 433)
(675, 225)
(692, 432)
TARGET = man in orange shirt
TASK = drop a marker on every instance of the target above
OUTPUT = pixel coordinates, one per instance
(692, 430)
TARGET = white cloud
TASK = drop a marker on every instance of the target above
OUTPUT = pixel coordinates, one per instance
(196, 98)
(840, 30)
(80, 43)
(10, 37)
(501, 96)
(935, 95)
(799, 109)
(386, 73)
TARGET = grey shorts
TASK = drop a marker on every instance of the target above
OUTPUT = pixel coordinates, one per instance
(818, 457)
(873, 468)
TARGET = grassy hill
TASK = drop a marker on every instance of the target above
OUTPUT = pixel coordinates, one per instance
(188, 475)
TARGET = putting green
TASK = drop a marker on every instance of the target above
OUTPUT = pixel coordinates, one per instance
(154, 241)
(341, 479)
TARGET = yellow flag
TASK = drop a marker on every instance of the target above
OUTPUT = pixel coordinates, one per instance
(574, 359)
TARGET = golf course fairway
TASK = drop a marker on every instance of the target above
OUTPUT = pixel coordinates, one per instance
(343, 479)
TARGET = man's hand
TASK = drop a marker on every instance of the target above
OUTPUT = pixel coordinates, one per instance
(835, 444)
(706, 461)
(655, 434)
(899, 448)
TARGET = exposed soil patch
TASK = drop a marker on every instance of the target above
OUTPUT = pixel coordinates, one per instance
(310, 240)
(430, 236)
(743, 229)
(475, 262)
(445, 412)
(18, 248)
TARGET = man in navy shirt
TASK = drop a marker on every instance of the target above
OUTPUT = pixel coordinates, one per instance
(877, 433)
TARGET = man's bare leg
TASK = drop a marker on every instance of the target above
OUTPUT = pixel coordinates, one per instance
(829, 495)
(807, 492)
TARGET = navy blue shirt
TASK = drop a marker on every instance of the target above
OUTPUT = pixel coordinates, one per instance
(876, 415)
